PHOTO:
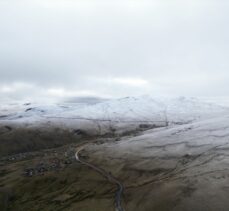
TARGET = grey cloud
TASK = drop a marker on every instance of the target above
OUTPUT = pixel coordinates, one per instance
(178, 47)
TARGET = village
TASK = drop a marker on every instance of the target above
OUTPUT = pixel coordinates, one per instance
(43, 162)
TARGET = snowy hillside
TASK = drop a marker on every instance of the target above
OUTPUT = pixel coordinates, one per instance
(26, 126)
(186, 163)
(121, 114)
(149, 109)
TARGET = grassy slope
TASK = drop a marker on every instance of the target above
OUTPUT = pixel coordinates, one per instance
(74, 187)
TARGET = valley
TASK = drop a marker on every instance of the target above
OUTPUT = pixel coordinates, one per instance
(164, 160)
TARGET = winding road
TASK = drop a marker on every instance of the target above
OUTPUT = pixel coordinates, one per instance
(108, 176)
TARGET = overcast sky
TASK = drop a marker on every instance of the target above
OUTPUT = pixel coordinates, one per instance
(113, 48)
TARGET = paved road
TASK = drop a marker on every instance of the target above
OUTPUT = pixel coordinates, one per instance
(108, 176)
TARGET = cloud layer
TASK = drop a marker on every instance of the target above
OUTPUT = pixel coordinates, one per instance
(113, 48)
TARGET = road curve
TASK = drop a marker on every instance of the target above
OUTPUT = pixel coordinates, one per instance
(108, 176)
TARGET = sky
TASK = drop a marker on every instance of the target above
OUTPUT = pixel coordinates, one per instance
(52, 49)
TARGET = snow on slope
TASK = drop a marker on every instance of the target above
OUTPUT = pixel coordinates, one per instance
(182, 138)
(125, 109)
(164, 161)
(118, 113)
(147, 109)
(189, 109)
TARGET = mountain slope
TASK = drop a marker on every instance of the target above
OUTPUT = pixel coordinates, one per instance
(180, 168)
(26, 127)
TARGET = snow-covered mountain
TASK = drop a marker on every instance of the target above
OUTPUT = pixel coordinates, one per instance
(32, 126)
(120, 114)
(148, 109)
